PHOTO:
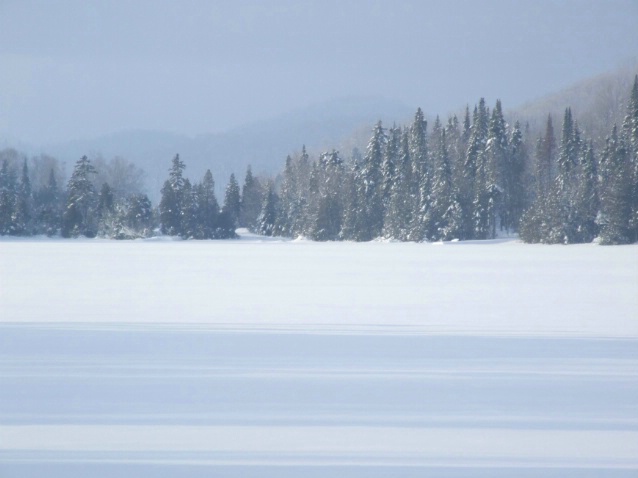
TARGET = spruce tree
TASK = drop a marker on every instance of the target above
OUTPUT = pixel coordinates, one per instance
(232, 204)
(48, 206)
(267, 219)
(251, 201)
(403, 198)
(8, 187)
(446, 215)
(207, 208)
(171, 204)
(630, 133)
(373, 182)
(515, 198)
(473, 198)
(80, 215)
(615, 192)
(23, 216)
(421, 175)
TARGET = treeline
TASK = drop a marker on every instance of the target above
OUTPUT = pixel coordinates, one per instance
(467, 179)
(32, 202)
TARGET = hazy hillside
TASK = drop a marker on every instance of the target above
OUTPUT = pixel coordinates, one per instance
(595, 102)
(263, 144)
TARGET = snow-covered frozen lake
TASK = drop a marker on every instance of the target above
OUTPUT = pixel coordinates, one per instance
(266, 358)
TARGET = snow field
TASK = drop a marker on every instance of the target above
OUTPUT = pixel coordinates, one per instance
(287, 358)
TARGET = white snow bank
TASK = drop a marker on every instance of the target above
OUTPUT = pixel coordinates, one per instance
(499, 287)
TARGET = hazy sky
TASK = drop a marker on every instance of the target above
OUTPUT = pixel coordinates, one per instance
(77, 69)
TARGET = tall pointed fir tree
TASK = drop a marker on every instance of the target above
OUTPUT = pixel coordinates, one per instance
(421, 175)
(80, 216)
(267, 219)
(232, 204)
(48, 207)
(615, 191)
(251, 200)
(545, 160)
(446, 215)
(515, 198)
(372, 186)
(403, 198)
(287, 200)
(8, 188)
(23, 216)
(328, 218)
(585, 202)
(172, 201)
(207, 208)
(630, 132)
(472, 172)
(495, 161)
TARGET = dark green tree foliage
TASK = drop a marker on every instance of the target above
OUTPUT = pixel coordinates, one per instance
(403, 198)
(267, 219)
(48, 207)
(630, 132)
(80, 215)
(515, 198)
(615, 192)
(138, 215)
(207, 209)
(545, 160)
(106, 201)
(446, 219)
(585, 202)
(474, 180)
(421, 175)
(251, 201)
(172, 201)
(489, 165)
(371, 186)
(8, 188)
(23, 216)
(327, 222)
(232, 205)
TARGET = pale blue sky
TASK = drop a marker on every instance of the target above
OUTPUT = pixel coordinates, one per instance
(77, 69)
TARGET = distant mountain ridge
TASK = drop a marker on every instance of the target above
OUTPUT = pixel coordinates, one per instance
(262, 144)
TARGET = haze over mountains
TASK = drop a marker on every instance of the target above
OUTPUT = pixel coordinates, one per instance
(262, 144)
(342, 123)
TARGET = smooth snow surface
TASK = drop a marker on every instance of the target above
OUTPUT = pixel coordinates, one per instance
(265, 358)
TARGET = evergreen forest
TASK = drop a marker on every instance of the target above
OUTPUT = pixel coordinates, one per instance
(469, 178)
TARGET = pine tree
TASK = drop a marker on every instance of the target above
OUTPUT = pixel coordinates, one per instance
(267, 219)
(251, 201)
(545, 158)
(80, 217)
(48, 206)
(585, 205)
(23, 216)
(489, 182)
(327, 221)
(446, 215)
(232, 204)
(615, 192)
(515, 198)
(473, 196)
(8, 187)
(630, 132)
(171, 205)
(138, 215)
(421, 176)
(403, 196)
(371, 187)
(287, 200)
(207, 208)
